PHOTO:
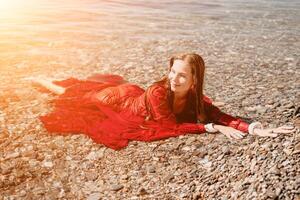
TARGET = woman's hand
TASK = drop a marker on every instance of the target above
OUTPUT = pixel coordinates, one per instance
(230, 132)
(273, 132)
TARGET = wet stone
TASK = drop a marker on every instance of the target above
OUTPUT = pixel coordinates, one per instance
(116, 187)
(151, 169)
(142, 191)
(94, 196)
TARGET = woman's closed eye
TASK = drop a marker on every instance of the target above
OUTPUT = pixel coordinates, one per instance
(179, 74)
(182, 75)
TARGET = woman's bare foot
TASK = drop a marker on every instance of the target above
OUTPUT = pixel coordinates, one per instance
(47, 84)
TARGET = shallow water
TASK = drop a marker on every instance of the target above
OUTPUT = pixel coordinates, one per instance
(37, 35)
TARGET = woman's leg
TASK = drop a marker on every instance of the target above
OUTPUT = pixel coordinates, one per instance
(50, 86)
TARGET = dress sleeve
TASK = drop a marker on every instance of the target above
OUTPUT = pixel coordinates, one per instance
(215, 115)
(161, 113)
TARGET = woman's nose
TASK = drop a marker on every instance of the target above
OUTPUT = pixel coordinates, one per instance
(175, 78)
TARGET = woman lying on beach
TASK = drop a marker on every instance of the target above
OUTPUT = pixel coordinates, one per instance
(112, 111)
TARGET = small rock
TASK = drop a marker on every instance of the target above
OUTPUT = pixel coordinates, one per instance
(271, 194)
(261, 109)
(197, 196)
(202, 154)
(177, 173)
(151, 169)
(182, 195)
(267, 146)
(48, 164)
(278, 191)
(288, 151)
(92, 156)
(274, 170)
(296, 149)
(142, 191)
(5, 169)
(226, 150)
(205, 163)
(91, 176)
(168, 178)
(124, 177)
(186, 148)
(59, 141)
(289, 59)
(94, 196)
(22, 193)
(116, 187)
(252, 165)
(285, 163)
(190, 140)
(12, 155)
(250, 109)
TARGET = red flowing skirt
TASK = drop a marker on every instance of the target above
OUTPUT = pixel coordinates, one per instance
(75, 112)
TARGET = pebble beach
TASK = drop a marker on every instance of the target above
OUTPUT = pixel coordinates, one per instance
(251, 51)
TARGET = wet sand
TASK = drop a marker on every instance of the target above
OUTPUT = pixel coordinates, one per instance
(251, 49)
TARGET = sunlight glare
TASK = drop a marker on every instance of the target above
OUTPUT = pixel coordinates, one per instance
(10, 7)
(8, 4)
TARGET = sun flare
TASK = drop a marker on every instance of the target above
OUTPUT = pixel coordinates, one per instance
(7, 5)
(11, 7)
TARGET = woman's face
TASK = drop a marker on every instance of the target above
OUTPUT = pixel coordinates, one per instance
(180, 76)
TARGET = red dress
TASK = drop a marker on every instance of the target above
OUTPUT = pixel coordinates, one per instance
(112, 112)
